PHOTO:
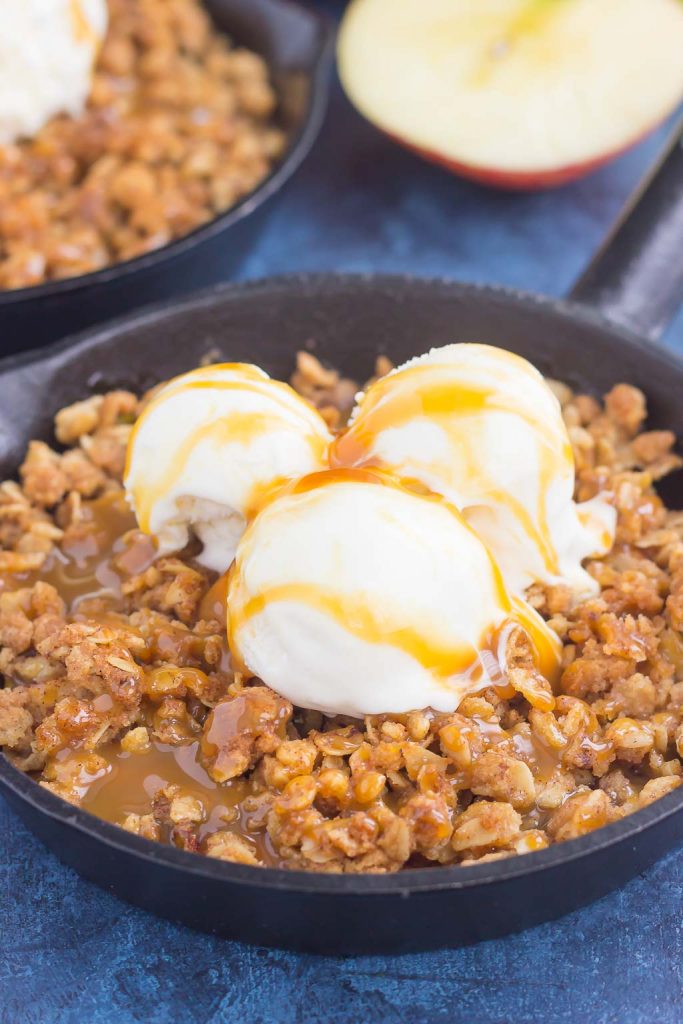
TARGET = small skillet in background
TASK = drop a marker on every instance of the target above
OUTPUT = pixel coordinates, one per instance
(637, 279)
(296, 43)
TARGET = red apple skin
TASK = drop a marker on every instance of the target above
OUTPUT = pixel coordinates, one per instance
(524, 181)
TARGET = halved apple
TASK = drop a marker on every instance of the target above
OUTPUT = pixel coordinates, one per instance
(514, 93)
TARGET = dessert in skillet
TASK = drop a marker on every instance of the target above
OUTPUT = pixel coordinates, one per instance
(444, 631)
(124, 124)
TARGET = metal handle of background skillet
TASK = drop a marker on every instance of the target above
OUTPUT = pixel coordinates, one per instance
(636, 278)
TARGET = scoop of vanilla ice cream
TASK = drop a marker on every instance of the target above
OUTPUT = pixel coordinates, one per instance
(352, 595)
(47, 52)
(210, 447)
(480, 426)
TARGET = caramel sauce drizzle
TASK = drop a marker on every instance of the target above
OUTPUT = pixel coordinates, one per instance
(353, 613)
(213, 605)
(82, 29)
(129, 783)
(419, 392)
(91, 564)
(235, 427)
(358, 618)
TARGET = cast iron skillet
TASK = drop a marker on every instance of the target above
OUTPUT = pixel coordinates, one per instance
(348, 320)
(296, 43)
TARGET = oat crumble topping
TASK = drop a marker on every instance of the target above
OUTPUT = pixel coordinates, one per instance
(117, 673)
(179, 125)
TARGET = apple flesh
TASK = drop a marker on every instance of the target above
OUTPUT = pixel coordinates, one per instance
(514, 93)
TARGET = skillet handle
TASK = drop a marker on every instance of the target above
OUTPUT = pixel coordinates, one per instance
(636, 278)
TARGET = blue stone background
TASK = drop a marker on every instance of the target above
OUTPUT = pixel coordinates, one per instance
(72, 954)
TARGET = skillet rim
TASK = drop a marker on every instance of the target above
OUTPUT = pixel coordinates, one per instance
(24, 789)
(328, 280)
(298, 148)
(439, 878)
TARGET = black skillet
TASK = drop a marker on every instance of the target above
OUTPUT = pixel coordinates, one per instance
(296, 43)
(347, 320)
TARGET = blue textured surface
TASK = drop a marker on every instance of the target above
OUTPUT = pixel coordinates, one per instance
(71, 953)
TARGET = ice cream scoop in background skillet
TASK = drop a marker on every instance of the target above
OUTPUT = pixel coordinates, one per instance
(296, 44)
(634, 286)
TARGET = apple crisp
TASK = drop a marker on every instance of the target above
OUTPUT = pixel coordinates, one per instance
(179, 125)
(120, 695)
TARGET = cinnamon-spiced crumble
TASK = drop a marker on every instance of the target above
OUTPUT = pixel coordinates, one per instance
(120, 695)
(179, 125)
